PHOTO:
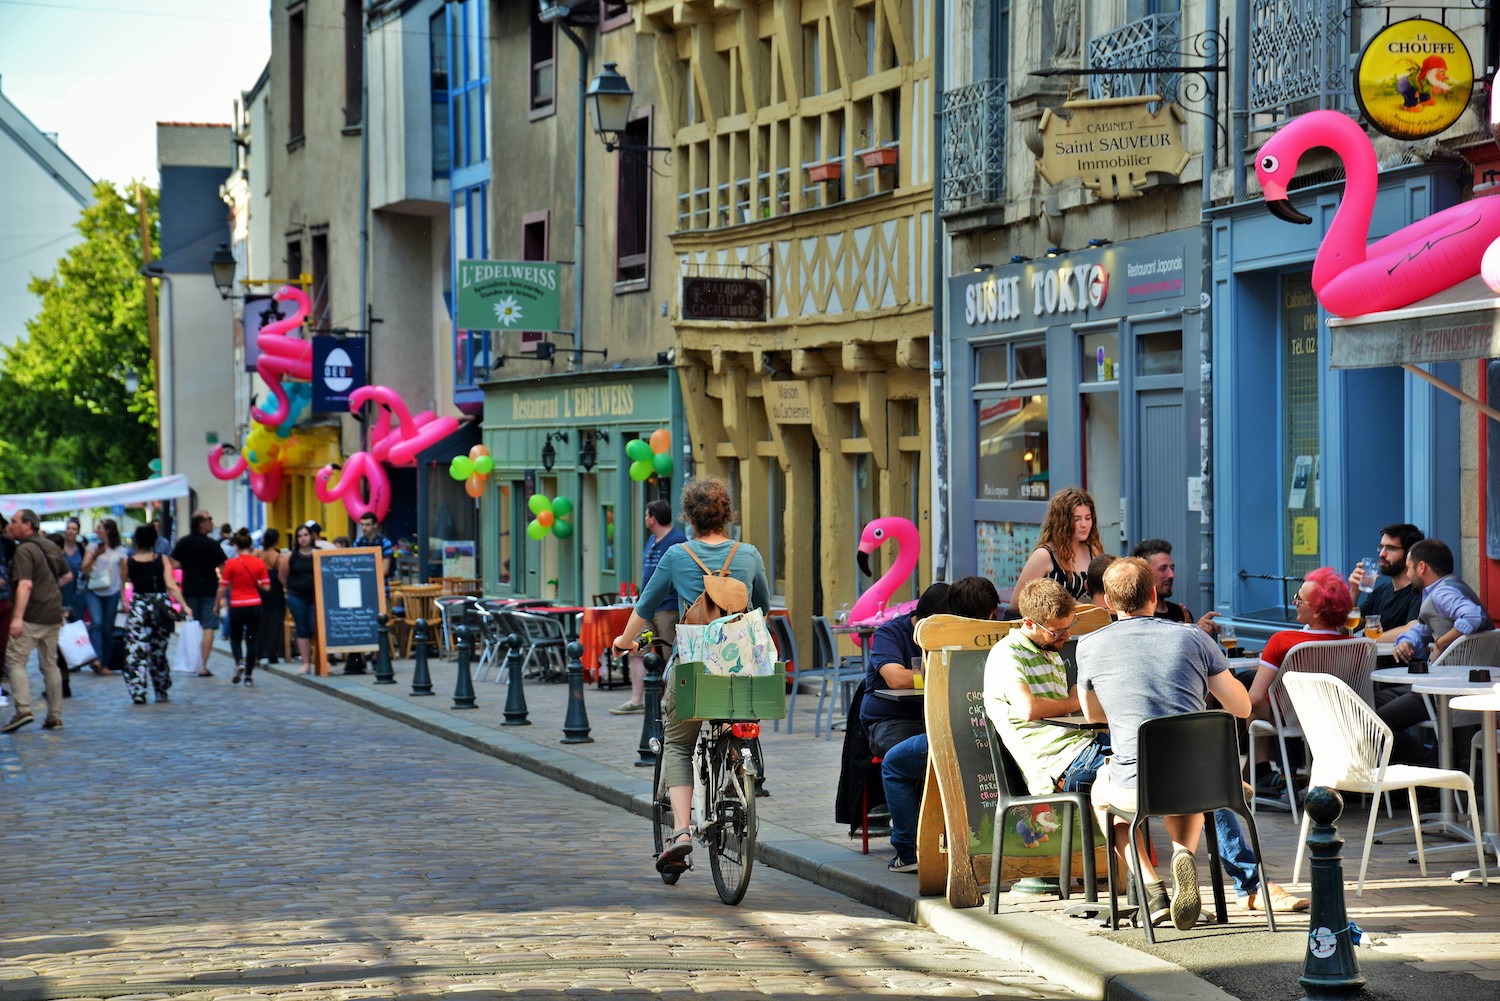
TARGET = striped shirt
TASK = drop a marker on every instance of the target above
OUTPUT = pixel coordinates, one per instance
(1042, 750)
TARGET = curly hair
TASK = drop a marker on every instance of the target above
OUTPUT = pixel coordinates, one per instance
(1057, 526)
(1329, 600)
(707, 506)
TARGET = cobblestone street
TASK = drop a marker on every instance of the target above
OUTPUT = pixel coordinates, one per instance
(273, 842)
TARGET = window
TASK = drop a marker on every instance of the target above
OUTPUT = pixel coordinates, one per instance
(471, 348)
(613, 14)
(354, 56)
(296, 63)
(437, 59)
(322, 291)
(535, 246)
(294, 259)
(607, 542)
(543, 66)
(1301, 429)
(1011, 420)
(633, 207)
(468, 82)
(505, 536)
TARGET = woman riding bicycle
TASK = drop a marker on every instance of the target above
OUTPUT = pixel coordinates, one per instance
(708, 511)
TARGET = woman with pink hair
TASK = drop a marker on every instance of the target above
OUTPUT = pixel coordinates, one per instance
(1322, 603)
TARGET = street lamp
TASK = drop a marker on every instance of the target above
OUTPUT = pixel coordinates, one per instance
(132, 380)
(223, 266)
(609, 98)
(549, 454)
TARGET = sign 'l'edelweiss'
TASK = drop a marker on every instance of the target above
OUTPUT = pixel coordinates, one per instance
(1111, 144)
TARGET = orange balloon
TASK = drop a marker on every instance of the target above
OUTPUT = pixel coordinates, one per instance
(661, 440)
(478, 450)
(474, 486)
(546, 518)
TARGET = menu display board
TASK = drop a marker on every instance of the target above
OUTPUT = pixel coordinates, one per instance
(348, 585)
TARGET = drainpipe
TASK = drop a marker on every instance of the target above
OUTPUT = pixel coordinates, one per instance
(941, 530)
(1240, 88)
(583, 86)
(1206, 315)
(364, 209)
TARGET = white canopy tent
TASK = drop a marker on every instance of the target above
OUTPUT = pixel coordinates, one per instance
(64, 501)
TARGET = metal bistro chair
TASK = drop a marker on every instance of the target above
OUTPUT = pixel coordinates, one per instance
(834, 670)
(1008, 780)
(1351, 661)
(1170, 782)
(546, 645)
(786, 648)
(488, 632)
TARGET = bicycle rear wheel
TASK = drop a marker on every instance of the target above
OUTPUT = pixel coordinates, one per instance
(661, 817)
(731, 842)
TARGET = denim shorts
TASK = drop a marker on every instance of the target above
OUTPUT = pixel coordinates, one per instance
(1081, 772)
(203, 611)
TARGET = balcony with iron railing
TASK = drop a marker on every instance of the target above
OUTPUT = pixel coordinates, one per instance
(1154, 40)
(974, 119)
(1299, 58)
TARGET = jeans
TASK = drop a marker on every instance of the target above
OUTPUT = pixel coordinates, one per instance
(101, 610)
(302, 615)
(902, 773)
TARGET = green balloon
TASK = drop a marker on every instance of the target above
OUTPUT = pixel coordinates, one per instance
(484, 465)
(538, 504)
(562, 507)
(460, 467)
(662, 463)
(638, 450)
(562, 529)
(640, 471)
(609, 532)
(536, 530)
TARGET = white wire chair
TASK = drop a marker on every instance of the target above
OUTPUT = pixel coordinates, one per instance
(1351, 749)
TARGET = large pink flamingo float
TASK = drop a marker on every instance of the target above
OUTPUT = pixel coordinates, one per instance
(1350, 278)
(282, 356)
(399, 444)
(871, 607)
(1489, 268)
(362, 486)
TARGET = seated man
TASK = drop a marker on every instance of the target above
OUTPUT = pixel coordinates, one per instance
(1025, 682)
(1140, 668)
(1397, 597)
(1158, 554)
(903, 742)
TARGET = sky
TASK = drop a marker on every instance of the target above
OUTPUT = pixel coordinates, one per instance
(102, 73)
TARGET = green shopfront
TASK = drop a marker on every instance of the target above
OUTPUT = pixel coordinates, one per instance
(564, 438)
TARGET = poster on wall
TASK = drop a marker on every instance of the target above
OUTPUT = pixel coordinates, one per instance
(1414, 79)
(1002, 550)
(458, 558)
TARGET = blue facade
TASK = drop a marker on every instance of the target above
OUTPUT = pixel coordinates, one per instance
(193, 217)
(468, 130)
(1384, 445)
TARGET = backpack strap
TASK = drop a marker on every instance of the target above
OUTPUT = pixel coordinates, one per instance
(724, 570)
(701, 566)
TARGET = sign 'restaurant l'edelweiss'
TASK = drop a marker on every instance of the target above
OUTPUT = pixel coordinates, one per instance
(1111, 144)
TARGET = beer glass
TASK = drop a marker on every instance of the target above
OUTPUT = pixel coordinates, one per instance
(1372, 627)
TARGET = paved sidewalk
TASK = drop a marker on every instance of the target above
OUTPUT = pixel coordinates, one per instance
(1431, 935)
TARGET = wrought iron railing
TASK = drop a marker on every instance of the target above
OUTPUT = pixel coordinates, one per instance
(1149, 42)
(1300, 52)
(974, 144)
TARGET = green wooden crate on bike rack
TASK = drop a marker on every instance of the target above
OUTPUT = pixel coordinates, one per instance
(730, 696)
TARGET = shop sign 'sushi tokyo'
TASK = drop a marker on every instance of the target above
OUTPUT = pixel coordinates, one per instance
(1066, 288)
(1112, 144)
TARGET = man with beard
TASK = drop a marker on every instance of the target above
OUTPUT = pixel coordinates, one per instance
(1025, 682)
(1158, 554)
(1397, 597)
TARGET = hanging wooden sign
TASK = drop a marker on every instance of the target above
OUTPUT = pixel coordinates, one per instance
(1112, 144)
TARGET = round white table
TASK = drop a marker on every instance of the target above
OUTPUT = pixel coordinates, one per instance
(1453, 680)
(1489, 704)
(1401, 676)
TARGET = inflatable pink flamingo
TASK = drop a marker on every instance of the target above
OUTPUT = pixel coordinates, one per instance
(282, 356)
(871, 608)
(267, 485)
(399, 444)
(222, 472)
(1350, 278)
(359, 469)
(1489, 268)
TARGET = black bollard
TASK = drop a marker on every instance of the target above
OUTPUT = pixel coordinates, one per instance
(651, 718)
(384, 673)
(1330, 969)
(515, 697)
(576, 722)
(463, 688)
(421, 680)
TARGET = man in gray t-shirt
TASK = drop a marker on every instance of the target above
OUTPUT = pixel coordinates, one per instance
(1137, 669)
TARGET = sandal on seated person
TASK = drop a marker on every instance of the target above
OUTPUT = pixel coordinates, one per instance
(674, 857)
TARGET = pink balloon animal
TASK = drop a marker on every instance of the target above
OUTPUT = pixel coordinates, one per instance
(282, 356)
(871, 606)
(220, 471)
(362, 486)
(1350, 278)
(399, 444)
(1489, 267)
(265, 485)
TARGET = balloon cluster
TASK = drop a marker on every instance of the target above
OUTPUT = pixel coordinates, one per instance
(551, 517)
(650, 457)
(473, 469)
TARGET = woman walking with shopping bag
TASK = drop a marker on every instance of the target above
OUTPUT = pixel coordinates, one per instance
(148, 626)
(242, 583)
(103, 579)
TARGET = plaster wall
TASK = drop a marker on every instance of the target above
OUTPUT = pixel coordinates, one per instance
(37, 219)
(201, 370)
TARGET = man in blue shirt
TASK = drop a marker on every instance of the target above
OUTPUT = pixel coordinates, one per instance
(661, 535)
(1450, 609)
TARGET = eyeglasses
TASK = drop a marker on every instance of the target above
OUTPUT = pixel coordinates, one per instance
(1055, 633)
(1297, 599)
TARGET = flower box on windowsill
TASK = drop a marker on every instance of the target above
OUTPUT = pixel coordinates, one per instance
(884, 156)
(821, 172)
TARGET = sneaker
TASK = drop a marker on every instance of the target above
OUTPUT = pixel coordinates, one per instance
(898, 864)
(55, 723)
(17, 721)
(249, 681)
(1186, 905)
(1158, 907)
(239, 672)
(627, 709)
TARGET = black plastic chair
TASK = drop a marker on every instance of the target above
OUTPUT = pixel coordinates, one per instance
(1187, 764)
(1008, 779)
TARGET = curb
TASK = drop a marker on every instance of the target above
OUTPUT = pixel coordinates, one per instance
(1088, 964)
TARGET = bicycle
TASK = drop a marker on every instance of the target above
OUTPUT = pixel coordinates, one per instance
(724, 804)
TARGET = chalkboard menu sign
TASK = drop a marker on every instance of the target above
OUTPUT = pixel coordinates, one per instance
(349, 587)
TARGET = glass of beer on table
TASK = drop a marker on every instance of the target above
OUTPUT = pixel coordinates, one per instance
(1372, 627)
(1228, 638)
(1351, 621)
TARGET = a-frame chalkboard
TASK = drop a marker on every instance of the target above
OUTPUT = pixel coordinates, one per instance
(349, 587)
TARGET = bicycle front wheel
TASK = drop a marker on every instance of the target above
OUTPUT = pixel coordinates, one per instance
(731, 842)
(661, 817)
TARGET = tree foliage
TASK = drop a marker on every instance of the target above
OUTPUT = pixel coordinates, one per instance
(66, 419)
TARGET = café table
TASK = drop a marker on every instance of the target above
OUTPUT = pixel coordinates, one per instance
(1074, 721)
(598, 628)
(1489, 705)
(1453, 680)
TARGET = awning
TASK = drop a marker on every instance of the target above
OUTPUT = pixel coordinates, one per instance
(1461, 323)
(139, 492)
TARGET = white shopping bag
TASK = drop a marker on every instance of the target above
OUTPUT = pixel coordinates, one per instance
(74, 643)
(188, 657)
